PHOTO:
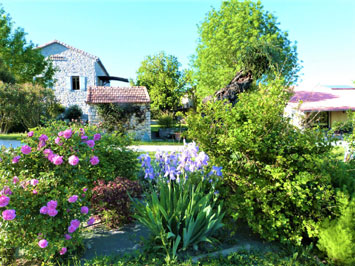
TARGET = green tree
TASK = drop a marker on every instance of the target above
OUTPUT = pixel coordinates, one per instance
(165, 82)
(20, 59)
(241, 36)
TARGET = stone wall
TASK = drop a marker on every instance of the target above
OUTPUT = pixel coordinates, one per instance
(140, 130)
(73, 63)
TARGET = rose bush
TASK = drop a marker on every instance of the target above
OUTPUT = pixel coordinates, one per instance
(45, 189)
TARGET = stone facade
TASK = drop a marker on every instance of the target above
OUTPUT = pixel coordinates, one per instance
(71, 62)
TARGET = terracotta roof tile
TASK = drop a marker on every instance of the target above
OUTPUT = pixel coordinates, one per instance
(117, 95)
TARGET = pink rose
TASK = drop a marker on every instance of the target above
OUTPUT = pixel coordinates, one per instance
(43, 138)
(30, 134)
(91, 221)
(52, 212)
(84, 137)
(63, 251)
(97, 137)
(73, 160)
(16, 159)
(51, 156)
(52, 204)
(90, 143)
(57, 141)
(43, 243)
(73, 198)
(67, 237)
(67, 133)
(4, 201)
(9, 215)
(72, 229)
(43, 210)
(75, 223)
(57, 160)
(25, 149)
(84, 210)
(94, 160)
(34, 182)
(41, 144)
(15, 180)
(6, 191)
(47, 152)
(35, 192)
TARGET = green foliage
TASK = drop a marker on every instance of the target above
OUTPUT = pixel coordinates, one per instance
(337, 237)
(166, 120)
(241, 36)
(73, 112)
(111, 202)
(180, 216)
(273, 171)
(26, 104)
(117, 117)
(21, 60)
(161, 75)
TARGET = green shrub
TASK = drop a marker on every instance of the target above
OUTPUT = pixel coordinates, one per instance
(337, 237)
(73, 113)
(56, 163)
(183, 210)
(166, 120)
(273, 171)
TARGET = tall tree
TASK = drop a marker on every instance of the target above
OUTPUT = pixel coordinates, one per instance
(19, 58)
(165, 82)
(241, 36)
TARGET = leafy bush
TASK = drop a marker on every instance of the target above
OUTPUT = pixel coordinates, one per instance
(337, 237)
(166, 120)
(110, 200)
(273, 171)
(73, 113)
(45, 187)
(183, 210)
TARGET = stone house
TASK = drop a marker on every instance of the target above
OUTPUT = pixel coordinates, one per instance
(81, 79)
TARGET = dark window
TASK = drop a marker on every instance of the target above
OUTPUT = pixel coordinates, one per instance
(317, 119)
(75, 83)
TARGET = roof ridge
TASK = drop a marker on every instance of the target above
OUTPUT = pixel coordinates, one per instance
(69, 47)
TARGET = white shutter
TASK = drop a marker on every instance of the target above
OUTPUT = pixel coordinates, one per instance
(82, 83)
(68, 85)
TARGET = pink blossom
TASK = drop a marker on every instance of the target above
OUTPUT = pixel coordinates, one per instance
(57, 141)
(75, 223)
(67, 236)
(15, 180)
(94, 160)
(43, 210)
(30, 134)
(46, 152)
(16, 159)
(90, 143)
(52, 212)
(73, 198)
(43, 243)
(97, 137)
(84, 210)
(43, 138)
(72, 229)
(25, 149)
(51, 156)
(60, 133)
(57, 160)
(9, 215)
(67, 133)
(35, 192)
(73, 160)
(63, 251)
(34, 182)
(4, 201)
(6, 191)
(52, 204)
(41, 144)
(84, 137)
(91, 221)
(85, 189)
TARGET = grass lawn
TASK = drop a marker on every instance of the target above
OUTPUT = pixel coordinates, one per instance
(15, 136)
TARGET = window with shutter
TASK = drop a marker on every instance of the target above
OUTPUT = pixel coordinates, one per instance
(75, 83)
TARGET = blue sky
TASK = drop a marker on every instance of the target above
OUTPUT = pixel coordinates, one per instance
(123, 32)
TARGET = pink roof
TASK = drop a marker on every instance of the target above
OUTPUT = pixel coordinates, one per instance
(117, 95)
(324, 98)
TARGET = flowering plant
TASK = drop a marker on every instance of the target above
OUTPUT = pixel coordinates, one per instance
(183, 210)
(45, 190)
